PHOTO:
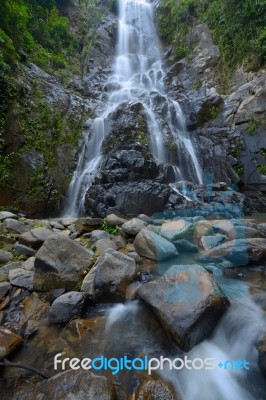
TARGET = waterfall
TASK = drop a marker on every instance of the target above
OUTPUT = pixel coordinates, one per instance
(138, 76)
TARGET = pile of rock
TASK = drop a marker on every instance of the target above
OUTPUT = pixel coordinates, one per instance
(77, 262)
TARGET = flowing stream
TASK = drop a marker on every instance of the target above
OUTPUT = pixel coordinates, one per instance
(137, 76)
(234, 338)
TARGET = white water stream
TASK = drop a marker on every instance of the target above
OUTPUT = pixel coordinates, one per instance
(234, 339)
(138, 76)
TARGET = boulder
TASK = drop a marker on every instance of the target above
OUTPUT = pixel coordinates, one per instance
(68, 221)
(151, 245)
(185, 246)
(104, 244)
(202, 228)
(176, 229)
(29, 264)
(5, 256)
(114, 220)
(57, 225)
(60, 263)
(145, 218)
(98, 234)
(78, 385)
(134, 226)
(35, 237)
(187, 301)
(9, 341)
(134, 255)
(208, 242)
(21, 278)
(238, 252)
(6, 214)
(66, 307)
(120, 241)
(234, 229)
(115, 271)
(84, 225)
(4, 288)
(127, 198)
(4, 271)
(14, 226)
(88, 282)
(23, 250)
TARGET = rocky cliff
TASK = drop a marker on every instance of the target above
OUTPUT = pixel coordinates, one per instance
(228, 129)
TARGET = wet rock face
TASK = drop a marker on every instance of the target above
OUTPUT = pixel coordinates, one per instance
(227, 129)
(130, 181)
(32, 163)
(130, 198)
(187, 301)
(125, 126)
(100, 60)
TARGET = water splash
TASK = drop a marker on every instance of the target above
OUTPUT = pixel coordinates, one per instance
(235, 339)
(119, 311)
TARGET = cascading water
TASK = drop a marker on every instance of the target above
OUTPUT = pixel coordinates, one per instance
(137, 75)
(235, 338)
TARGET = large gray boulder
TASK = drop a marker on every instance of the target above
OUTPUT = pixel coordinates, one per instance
(115, 271)
(115, 220)
(99, 234)
(66, 307)
(69, 385)
(4, 271)
(59, 263)
(104, 244)
(134, 226)
(150, 245)
(6, 214)
(35, 237)
(14, 226)
(187, 301)
(85, 225)
(21, 277)
(176, 230)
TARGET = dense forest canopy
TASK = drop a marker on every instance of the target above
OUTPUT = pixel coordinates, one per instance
(238, 27)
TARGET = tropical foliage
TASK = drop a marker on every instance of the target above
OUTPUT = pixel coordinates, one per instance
(238, 27)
